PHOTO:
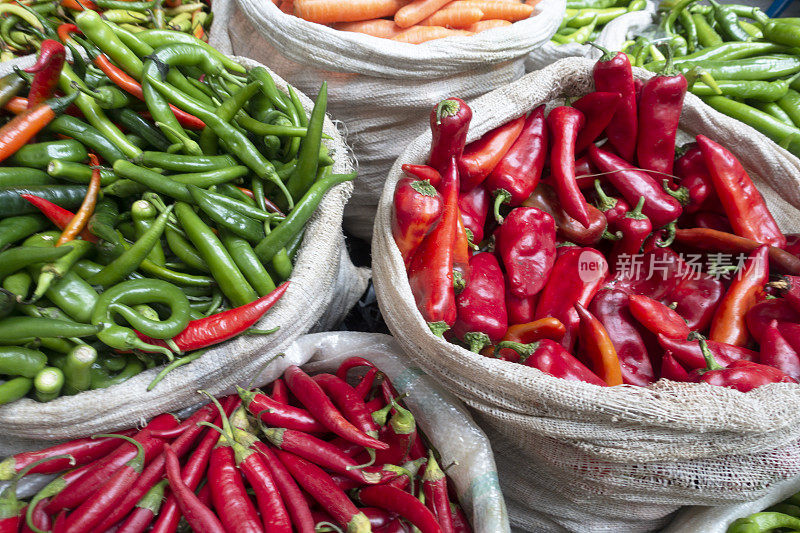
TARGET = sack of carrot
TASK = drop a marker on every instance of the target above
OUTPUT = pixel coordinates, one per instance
(349, 438)
(381, 87)
(548, 254)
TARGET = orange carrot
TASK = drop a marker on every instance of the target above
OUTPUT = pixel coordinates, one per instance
(454, 16)
(327, 11)
(484, 25)
(417, 11)
(510, 11)
(384, 28)
(421, 34)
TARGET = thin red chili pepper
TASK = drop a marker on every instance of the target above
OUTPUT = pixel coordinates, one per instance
(672, 369)
(417, 210)
(598, 109)
(460, 522)
(526, 333)
(546, 199)
(402, 503)
(199, 516)
(474, 207)
(220, 327)
(481, 306)
(584, 173)
(46, 72)
(39, 518)
(65, 30)
(564, 123)
(59, 524)
(551, 358)
(657, 317)
(697, 298)
(423, 173)
(77, 224)
(228, 493)
(59, 216)
(635, 227)
(449, 124)
(711, 220)
(743, 376)
(526, 244)
(273, 512)
(365, 385)
(348, 401)
(461, 253)
(279, 414)
(482, 156)
(80, 5)
(689, 355)
(270, 205)
(280, 393)
(434, 487)
(11, 509)
(146, 509)
(350, 363)
(694, 176)
(377, 517)
(598, 347)
(19, 130)
(612, 73)
(400, 433)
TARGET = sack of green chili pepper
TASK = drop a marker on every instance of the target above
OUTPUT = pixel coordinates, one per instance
(380, 89)
(573, 454)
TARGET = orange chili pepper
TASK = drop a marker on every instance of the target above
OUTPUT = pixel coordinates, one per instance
(81, 218)
(15, 133)
(544, 328)
(598, 347)
(73, 4)
(64, 31)
(269, 204)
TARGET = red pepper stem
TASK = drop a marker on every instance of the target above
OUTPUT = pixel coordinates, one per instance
(669, 236)
(501, 196)
(636, 213)
(424, 187)
(137, 463)
(682, 194)
(10, 506)
(604, 201)
(608, 55)
(438, 328)
(711, 363)
(524, 350)
(611, 236)
(477, 340)
(446, 108)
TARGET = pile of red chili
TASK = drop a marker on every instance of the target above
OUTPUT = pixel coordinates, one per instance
(333, 457)
(582, 243)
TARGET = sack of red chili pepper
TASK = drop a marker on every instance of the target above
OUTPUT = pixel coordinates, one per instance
(354, 439)
(561, 314)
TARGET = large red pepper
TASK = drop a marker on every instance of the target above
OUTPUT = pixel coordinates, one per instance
(612, 73)
(545, 198)
(691, 169)
(430, 273)
(777, 352)
(697, 297)
(576, 277)
(635, 227)
(564, 124)
(661, 208)
(763, 313)
(613, 208)
(474, 206)
(657, 317)
(423, 172)
(585, 173)
(449, 124)
(689, 355)
(46, 72)
(672, 369)
(660, 108)
(744, 205)
(526, 244)
(598, 109)
(791, 332)
(520, 310)
(517, 174)
(729, 324)
(551, 358)
(481, 306)
(481, 156)
(417, 210)
(658, 274)
(612, 310)
(743, 376)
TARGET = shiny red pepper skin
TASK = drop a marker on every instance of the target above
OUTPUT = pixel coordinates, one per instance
(612, 309)
(761, 314)
(481, 156)
(551, 358)
(657, 317)
(576, 277)
(743, 376)
(520, 310)
(697, 297)
(672, 369)
(777, 352)
(693, 173)
(431, 271)
(584, 171)
(481, 306)
(564, 123)
(612, 73)
(660, 108)
(449, 124)
(423, 172)
(635, 228)
(598, 109)
(689, 355)
(660, 207)
(569, 229)
(747, 212)
(662, 270)
(517, 174)
(793, 244)
(711, 220)
(474, 206)
(614, 209)
(46, 72)
(526, 245)
(417, 210)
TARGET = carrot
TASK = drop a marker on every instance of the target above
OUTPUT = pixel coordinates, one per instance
(384, 28)
(454, 16)
(484, 25)
(510, 11)
(421, 34)
(417, 11)
(327, 11)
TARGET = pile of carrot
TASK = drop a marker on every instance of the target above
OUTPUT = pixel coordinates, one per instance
(411, 21)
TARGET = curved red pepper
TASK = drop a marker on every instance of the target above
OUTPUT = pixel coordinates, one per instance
(551, 358)
(761, 314)
(743, 376)
(417, 210)
(545, 198)
(747, 212)
(481, 306)
(689, 355)
(481, 156)
(777, 352)
(423, 172)
(693, 173)
(657, 317)
(526, 244)
(474, 206)
(598, 108)
(46, 72)
(697, 297)
(584, 173)
(612, 73)
(672, 369)
(564, 123)
(635, 228)
(449, 124)
(613, 208)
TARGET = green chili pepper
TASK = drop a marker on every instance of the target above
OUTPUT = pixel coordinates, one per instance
(775, 111)
(7, 302)
(294, 245)
(73, 295)
(308, 159)
(76, 368)
(152, 180)
(124, 188)
(21, 176)
(185, 163)
(21, 361)
(55, 270)
(23, 256)
(234, 221)
(144, 214)
(782, 33)
(178, 278)
(14, 389)
(668, 22)
(752, 30)
(269, 89)
(19, 285)
(104, 219)
(759, 68)
(762, 91)
(16, 328)
(38, 155)
(136, 124)
(10, 86)
(184, 250)
(764, 521)
(261, 128)
(78, 172)
(103, 380)
(690, 28)
(239, 206)
(247, 261)
(282, 264)
(728, 22)
(48, 383)
(212, 177)
(123, 4)
(636, 5)
(230, 191)
(226, 111)
(16, 228)
(790, 103)
(88, 135)
(585, 17)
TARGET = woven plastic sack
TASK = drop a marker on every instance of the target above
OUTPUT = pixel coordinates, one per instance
(381, 90)
(324, 286)
(629, 453)
(440, 415)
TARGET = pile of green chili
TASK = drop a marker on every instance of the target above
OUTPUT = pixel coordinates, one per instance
(163, 200)
(585, 19)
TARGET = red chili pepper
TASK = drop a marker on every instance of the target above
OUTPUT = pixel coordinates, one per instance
(39, 518)
(660, 106)
(611, 308)
(598, 347)
(482, 156)
(789, 286)
(422, 173)
(449, 124)
(660, 208)
(269, 204)
(402, 503)
(741, 375)
(350, 363)
(460, 522)
(697, 298)
(729, 325)
(280, 393)
(198, 515)
(546, 199)
(378, 518)
(481, 306)
(516, 175)
(564, 123)
(520, 310)
(544, 328)
(474, 206)
(711, 220)
(46, 72)
(228, 493)
(526, 245)
(635, 228)
(59, 216)
(19, 130)
(552, 359)
(761, 314)
(598, 109)
(220, 327)
(672, 369)
(59, 524)
(585, 173)
(348, 401)
(691, 169)
(576, 277)
(278, 414)
(657, 317)
(400, 433)
(613, 208)
(777, 352)
(689, 355)
(744, 205)
(430, 273)
(364, 386)
(793, 244)
(11, 509)
(659, 273)
(461, 253)
(417, 210)
(612, 73)
(434, 487)
(146, 509)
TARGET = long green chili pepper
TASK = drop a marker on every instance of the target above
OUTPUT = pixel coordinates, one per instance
(143, 214)
(184, 250)
(78, 172)
(185, 163)
(226, 111)
(762, 91)
(790, 103)
(76, 368)
(50, 272)
(775, 111)
(308, 159)
(16, 228)
(690, 27)
(73, 295)
(229, 219)
(728, 22)
(247, 261)
(152, 180)
(758, 68)
(131, 120)
(17, 328)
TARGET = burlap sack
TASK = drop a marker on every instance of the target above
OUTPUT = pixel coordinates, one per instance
(613, 35)
(622, 458)
(324, 285)
(381, 90)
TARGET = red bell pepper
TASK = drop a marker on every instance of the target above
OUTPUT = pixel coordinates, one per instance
(430, 273)
(474, 206)
(612, 73)
(789, 287)
(660, 208)
(417, 210)
(657, 317)
(744, 205)
(520, 310)
(613, 208)
(545, 198)
(449, 124)
(423, 172)
(526, 245)
(481, 307)
(481, 156)
(689, 355)
(763, 313)
(551, 358)
(564, 123)
(743, 376)
(598, 109)
(46, 72)
(518, 172)
(693, 173)
(777, 352)
(635, 228)
(672, 369)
